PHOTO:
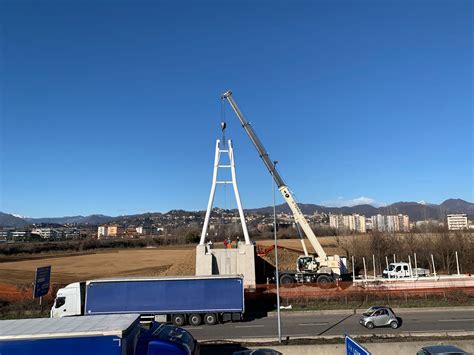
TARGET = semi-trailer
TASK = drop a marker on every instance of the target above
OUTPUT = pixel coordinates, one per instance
(181, 300)
(119, 334)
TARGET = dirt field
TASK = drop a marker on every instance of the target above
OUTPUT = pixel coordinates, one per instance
(128, 262)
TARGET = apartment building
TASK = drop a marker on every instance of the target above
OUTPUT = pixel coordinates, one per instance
(101, 231)
(354, 222)
(114, 230)
(457, 221)
(391, 223)
(109, 231)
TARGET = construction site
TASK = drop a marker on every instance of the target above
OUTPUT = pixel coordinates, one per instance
(306, 268)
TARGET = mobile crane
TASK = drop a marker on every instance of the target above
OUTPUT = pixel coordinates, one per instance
(321, 268)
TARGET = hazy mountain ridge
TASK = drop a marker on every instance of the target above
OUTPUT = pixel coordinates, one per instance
(9, 220)
(415, 210)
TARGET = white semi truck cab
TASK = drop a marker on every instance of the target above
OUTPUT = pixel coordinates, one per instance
(69, 301)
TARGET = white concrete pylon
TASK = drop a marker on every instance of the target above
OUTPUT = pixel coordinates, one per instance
(231, 166)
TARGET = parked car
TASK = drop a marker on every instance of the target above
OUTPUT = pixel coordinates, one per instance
(441, 350)
(378, 316)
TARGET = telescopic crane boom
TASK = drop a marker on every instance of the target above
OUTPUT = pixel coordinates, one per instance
(285, 191)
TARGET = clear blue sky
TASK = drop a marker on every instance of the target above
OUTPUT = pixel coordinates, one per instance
(113, 106)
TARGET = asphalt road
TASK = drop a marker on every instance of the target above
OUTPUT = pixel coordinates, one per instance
(301, 325)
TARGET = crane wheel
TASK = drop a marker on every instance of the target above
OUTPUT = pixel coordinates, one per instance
(286, 280)
(324, 281)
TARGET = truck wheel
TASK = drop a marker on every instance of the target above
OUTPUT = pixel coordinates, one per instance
(210, 319)
(195, 319)
(286, 280)
(179, 320)
(324, 281)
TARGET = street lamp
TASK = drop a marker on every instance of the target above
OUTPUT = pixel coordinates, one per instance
(277, 276)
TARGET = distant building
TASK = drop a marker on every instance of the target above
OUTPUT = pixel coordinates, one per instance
(391, 223)
(368, 224)
(360, 223)
(457, 221)
(101, 231)
(404, 222)
(142, 230)
(109, 231)
(114, 230)
(353, 222)
(428, 223)
(19, 234)
(45, 233)
(336, 221)
(5, 233)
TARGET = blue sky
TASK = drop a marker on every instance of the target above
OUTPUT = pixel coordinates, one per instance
(113, 106)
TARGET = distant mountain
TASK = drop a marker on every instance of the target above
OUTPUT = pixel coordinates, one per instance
(456, 205)
(9, 220)
(92, 219)
(308, 208)
(417, 211)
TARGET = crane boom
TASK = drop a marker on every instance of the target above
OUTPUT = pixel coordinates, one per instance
(285, 191)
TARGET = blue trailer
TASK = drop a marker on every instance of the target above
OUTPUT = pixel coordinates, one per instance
(182, 300)
(101, 334)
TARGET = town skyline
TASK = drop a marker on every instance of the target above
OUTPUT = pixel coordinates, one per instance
(452, 204)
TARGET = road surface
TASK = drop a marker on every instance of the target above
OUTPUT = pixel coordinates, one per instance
(304, 325)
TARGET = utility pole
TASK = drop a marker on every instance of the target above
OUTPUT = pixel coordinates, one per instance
(277, 276)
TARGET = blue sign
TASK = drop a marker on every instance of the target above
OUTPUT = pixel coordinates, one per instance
(43, 275)
(354, 348)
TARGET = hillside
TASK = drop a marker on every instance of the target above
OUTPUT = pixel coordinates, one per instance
(415, 210)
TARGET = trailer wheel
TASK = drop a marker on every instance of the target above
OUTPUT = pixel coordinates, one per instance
(324, 281)
(195, 319)
(179, 320)
(286, 280)
(210, 319)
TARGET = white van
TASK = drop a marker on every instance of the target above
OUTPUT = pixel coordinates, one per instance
(397, 270)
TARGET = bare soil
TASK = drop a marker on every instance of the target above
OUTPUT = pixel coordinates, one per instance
(125, 262)
(71, 267)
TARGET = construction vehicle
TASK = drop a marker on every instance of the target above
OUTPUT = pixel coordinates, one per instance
(321, 268)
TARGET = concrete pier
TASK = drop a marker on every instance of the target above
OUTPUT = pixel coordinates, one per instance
(236, 261)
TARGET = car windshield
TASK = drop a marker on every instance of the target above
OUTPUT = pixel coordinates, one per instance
(370, 311)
